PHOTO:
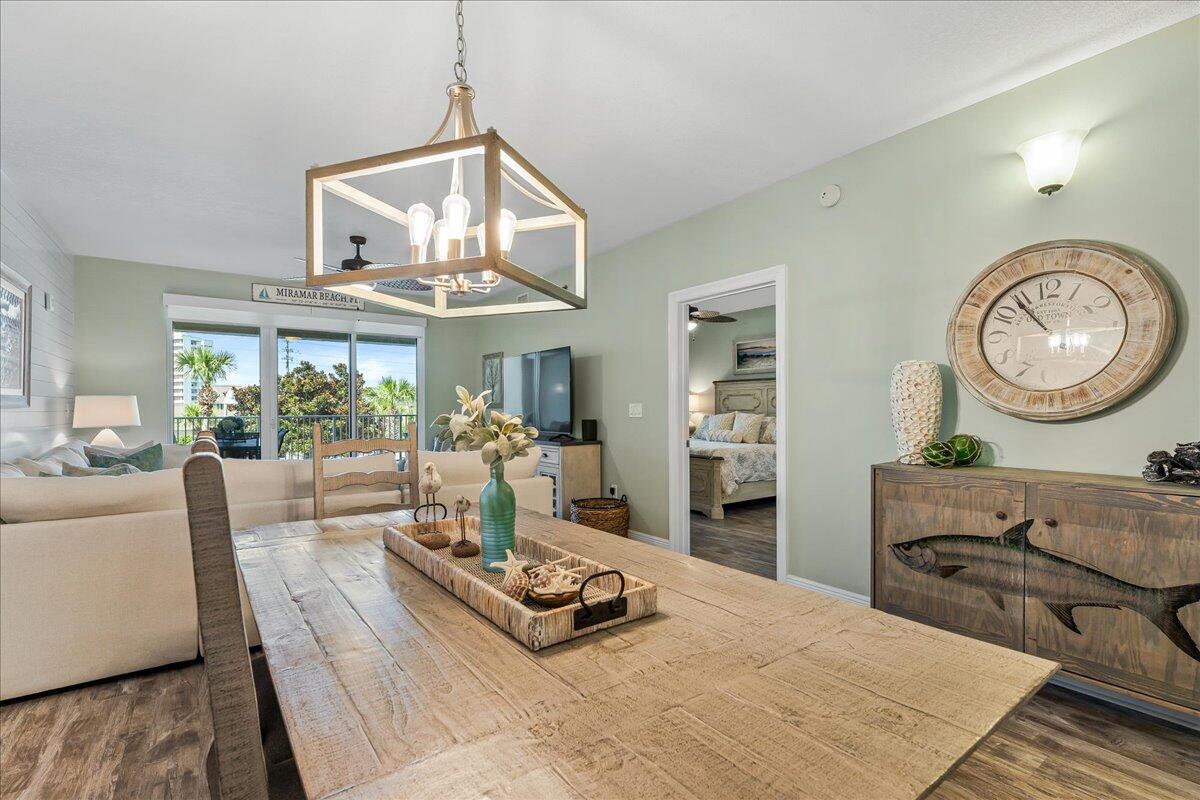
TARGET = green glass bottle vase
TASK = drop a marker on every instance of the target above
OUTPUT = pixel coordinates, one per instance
(497, 518)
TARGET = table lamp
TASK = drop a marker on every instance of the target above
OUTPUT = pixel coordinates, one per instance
(106, 411)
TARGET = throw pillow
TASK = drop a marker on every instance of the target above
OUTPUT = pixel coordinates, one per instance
(148, 459)
(734, 437)
(714, 422)
(72, 471)
(748, 425)
(767, 434)
(37, 469)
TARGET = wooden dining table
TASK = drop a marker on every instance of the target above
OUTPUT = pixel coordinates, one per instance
(738, 686)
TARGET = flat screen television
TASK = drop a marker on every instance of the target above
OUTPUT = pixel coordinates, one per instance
(538, 387)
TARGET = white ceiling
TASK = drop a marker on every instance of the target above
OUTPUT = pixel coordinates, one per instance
(178, 133)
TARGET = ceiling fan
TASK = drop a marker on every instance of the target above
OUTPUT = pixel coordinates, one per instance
(357, 262)
(697, 315)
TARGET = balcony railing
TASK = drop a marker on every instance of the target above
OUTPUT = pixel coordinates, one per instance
(294, 436)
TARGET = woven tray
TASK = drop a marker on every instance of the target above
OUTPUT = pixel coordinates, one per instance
(530, 624)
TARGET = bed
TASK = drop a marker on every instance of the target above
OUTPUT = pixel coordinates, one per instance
(723, 472)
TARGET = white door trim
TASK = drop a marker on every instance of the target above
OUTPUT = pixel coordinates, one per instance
(677, 402)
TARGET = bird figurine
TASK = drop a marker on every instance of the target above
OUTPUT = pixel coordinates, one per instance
(463, 548)
(429, 484)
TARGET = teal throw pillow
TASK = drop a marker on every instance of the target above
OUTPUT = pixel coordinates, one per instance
(148, 459)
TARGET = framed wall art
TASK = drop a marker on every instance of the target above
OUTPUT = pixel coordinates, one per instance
(493, 378)
(16, 329)
(754, 355)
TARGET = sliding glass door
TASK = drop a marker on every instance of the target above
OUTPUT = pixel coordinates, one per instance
(215, 386)
(386, 402)
(263, 387)
(314, 388)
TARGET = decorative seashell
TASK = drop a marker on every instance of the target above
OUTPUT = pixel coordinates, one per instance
(515, 584)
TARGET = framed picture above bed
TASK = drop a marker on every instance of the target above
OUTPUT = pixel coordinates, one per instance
(754, 356)
(16, 309)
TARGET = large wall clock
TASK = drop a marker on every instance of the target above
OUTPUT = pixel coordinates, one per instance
(1061, 330)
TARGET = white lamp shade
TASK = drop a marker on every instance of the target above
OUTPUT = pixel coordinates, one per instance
(106, 411)
(1050, 159)
(693, 402)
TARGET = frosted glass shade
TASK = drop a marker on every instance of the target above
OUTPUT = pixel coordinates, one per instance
(106, 411)
(1050, 159)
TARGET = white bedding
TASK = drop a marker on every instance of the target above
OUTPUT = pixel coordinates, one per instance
(744, 463)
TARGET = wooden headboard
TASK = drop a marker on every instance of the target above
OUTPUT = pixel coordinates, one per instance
(753, 396)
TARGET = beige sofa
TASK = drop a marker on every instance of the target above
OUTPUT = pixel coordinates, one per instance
(96, 572)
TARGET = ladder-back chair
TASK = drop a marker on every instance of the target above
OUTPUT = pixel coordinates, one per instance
(324, 484)
(237, 763)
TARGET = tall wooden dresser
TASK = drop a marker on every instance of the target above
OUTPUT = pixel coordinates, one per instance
(1097, 572)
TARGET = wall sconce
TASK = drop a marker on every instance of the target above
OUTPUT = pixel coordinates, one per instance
(1050, 159)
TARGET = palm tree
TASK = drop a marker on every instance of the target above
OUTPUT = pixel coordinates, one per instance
(191, 410)
(392, 396)
(208, 367)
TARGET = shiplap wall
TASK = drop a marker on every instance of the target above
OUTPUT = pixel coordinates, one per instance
(29, 248)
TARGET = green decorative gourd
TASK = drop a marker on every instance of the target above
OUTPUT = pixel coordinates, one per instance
(967, 449)
(938, 454)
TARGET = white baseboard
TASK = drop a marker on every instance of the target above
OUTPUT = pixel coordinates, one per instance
(646, 538)
(832, 591)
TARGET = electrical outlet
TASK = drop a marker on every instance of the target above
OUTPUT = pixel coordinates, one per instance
(635, 410)
(612, 490)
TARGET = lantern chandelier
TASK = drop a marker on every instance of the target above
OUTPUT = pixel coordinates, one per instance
(446, 267)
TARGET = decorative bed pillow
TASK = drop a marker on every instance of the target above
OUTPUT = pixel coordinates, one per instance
(748, 425)
(147, 459)
(72, 471)
(767, 434)
(714, 422)
(725, 436)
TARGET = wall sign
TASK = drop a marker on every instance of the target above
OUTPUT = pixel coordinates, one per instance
(303, 296)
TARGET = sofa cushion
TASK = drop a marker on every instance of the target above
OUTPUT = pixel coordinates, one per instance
(31, 499)
(147, 459)
(36, 469)
(72, 452)
(468, 466)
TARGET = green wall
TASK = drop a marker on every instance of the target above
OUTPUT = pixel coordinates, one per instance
(710, 352)
(121, 329)
(872, 282)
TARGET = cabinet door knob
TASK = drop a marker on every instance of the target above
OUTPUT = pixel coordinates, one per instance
(1000, 515)
(1051, 522)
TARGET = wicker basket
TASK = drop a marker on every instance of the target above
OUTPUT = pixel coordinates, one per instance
(602, 513)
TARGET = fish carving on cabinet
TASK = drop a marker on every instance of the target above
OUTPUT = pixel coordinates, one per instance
(991, 565)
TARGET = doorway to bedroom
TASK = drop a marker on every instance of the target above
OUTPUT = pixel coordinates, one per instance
(726, 348)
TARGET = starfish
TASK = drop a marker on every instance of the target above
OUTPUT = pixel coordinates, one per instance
(510, 563)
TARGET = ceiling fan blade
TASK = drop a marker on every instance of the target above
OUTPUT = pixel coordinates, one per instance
(704, 316)
(720, 318)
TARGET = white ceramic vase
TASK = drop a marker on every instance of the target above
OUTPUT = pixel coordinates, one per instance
(916, 407)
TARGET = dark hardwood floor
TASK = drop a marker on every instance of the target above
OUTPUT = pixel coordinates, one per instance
(744, 540)
(145, 736)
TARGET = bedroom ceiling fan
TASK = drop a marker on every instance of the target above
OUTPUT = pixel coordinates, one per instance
(696, 316)
(356, 263)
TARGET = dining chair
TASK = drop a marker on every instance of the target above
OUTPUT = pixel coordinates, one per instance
(324, 484)
(237, 765)
(206, 442)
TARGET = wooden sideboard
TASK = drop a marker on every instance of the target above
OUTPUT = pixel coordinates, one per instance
(1097, 572)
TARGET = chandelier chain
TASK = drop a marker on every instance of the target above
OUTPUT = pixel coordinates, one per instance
(460, 66)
